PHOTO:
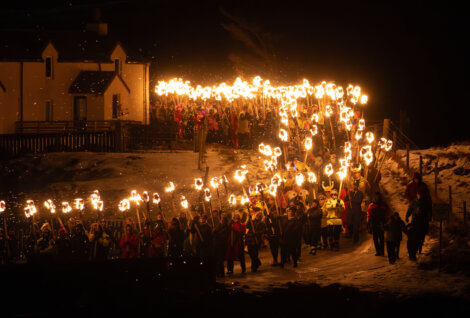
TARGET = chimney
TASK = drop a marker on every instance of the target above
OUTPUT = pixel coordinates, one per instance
(97, 25)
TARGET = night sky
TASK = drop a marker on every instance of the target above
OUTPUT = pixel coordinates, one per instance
(403, 55)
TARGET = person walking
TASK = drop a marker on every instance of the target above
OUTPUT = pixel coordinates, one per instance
(354, 211)
(393, 229)
(377, 215)
(235, 245)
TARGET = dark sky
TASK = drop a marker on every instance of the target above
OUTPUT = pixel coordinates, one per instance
(404, 55)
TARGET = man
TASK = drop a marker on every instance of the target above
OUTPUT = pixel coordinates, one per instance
(290, 237)
(377, 215)
(273, 230)
(256, 230)
(354, 213)
(333, 208)
(363, 186)
(45, 245)
(235, 245)
(420, 213)
(414, 186)
(323, 223)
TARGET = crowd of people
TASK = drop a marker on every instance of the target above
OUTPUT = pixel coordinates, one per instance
(283, 227)
(318, 217)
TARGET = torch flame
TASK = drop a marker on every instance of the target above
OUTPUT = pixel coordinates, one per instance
(124, 205)
(170, 188)
(370, 137)
(66, 208)
(184, 202)
(232, 199)
(2, 206)
(308, 143)
(311, 177)
(156, 198)
(30, 208)
(299, 179)
(329, 169)
(198, 183)
(207, 194)
(79, 204)
(50, 205)
(283, 135)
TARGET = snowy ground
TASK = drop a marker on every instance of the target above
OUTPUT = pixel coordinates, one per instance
(64, 176)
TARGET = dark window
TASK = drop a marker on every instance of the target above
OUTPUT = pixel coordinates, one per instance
(116, 105)
(49, 111)
(49, 67)
(117, 66)
(79, 108)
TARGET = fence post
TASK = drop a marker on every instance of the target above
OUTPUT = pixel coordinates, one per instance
(464, 212)
(450, 198)
(408, 157)
(421, 165)
(436, 172)
(386, 128)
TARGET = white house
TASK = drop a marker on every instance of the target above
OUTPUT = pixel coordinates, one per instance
(64, 80)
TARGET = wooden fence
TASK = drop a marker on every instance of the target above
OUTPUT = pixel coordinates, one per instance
(18, 144)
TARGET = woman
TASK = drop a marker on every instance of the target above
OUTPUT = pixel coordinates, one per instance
(157, 246)
(128, 244)
(314, 216)
(176, 239)
(235, 245)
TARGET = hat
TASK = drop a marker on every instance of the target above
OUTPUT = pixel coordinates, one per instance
(356, 170)
(327, 189)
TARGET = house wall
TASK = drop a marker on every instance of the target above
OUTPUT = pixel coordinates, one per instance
(116, 87)
(37, 89)
(9, 100)
(136, 78)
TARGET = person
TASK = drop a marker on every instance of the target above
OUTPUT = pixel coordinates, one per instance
(314, 216)
(415, 187)
(129, 243)
(3, 247)
(333, 208)
(100, 241)
(157, 246)
(377, 216)
(244, 129)
(364, 187)
(79, 244)
(291, 235)
(220, 234)
(204, 236)
(273, 230)
(324, 224)
(45, 245)
(235, 246)
(63, 248)
(354, 211)
(393, 229)
(254, 236)
(176, 239)
(416, 231)
(412, 188)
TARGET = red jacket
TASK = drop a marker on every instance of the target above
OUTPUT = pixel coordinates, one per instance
(235, 242)
(129, 246)
(373, 206)
(157, 248)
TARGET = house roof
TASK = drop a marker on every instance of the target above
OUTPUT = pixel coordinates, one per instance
(94, 82)
(72, 46)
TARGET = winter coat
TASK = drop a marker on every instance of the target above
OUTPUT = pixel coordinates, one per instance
(354, 209)
(333, 209)
(235, 243)
(175, 245)
(128, 246)
(413, 188)
(157, 246)
(393, 230)
(364, 187)
(80, 247)
(377, 214)
(420, 213)
(243, 124)
(291, 232)
(255, 238)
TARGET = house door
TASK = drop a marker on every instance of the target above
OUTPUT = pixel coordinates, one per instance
(79, 108)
